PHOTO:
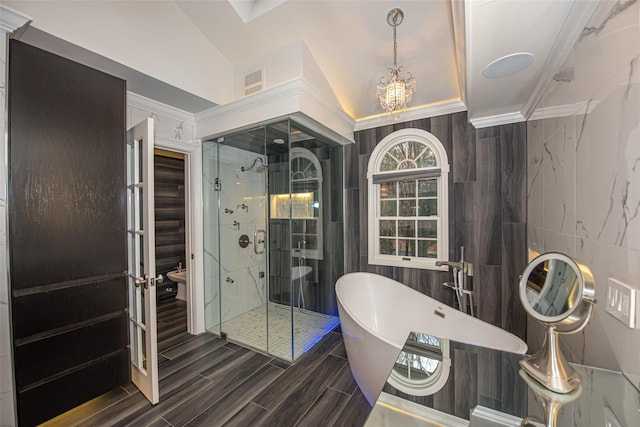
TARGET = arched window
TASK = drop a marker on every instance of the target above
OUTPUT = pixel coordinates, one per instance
(303, 205)
(423, 365)
(408, 200)
(306, 221)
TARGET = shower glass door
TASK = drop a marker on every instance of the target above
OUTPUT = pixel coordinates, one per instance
(237, 238)
(243, 238)
(280, 316)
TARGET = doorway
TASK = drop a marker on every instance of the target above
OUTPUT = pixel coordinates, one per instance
(143, 279)
(170, 246)
(191, 153)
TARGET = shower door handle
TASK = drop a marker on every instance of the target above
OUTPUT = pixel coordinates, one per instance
(257, 241)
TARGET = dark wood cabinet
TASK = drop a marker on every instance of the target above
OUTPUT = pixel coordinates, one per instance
(66, 233)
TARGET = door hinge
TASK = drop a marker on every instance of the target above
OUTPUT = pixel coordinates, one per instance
(217, 186)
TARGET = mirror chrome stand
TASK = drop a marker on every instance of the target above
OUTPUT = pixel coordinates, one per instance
(551, 403)
(560, 293)
(549, 366)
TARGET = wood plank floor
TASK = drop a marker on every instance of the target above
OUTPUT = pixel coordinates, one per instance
(205, 381)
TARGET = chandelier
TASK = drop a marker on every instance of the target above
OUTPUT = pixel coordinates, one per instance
(394, 91)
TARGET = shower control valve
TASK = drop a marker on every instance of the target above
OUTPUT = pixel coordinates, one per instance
(244, 241)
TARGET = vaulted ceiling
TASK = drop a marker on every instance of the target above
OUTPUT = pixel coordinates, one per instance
(445, 44)
(350, 41)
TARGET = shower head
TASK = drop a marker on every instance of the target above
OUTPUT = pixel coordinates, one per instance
(261, 168)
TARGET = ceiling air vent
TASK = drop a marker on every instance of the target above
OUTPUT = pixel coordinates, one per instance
(253, 81)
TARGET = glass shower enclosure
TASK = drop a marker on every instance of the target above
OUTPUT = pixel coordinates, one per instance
(273, 237)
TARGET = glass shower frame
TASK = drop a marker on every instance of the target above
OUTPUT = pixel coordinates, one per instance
(223, 280)
(286, 273)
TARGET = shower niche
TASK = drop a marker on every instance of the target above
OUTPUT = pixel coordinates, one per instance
(273, 237)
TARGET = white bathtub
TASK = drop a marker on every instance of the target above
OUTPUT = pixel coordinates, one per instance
(377, 314)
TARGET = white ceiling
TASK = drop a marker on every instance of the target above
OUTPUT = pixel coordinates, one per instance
(352, 45)
(445, 45)
(350, 41)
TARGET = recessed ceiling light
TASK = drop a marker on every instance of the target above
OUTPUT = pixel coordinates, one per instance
(508, 65)
(278, 141)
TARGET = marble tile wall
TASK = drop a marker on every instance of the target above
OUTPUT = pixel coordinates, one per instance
(7, 412)
(583, 179)
(244, 289)
(210, 240)
(487, 202)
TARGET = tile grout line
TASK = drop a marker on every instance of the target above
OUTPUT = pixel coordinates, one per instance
(331, 379)
(231, 390)
(309, 408)
(257, 404)
(253, 394)
(340, 391)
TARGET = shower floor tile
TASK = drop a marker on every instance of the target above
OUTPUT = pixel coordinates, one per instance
(250, 328)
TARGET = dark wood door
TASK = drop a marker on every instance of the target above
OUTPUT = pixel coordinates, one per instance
(67, 232)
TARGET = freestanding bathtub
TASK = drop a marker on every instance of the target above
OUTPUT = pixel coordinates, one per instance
(377, 314)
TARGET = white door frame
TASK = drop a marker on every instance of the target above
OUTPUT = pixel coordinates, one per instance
(194, 228)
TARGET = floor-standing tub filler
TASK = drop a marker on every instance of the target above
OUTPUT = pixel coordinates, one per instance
(273, 237)
(377, 314)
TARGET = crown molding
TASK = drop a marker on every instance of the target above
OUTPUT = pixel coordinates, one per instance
(460, 18)
(147, 104)
(11, 19)
(550, 112)
(573, 26)
(566, 110)
(415, 113)
(177, 143)
(325, 114)
(296, 98)
(497, 120)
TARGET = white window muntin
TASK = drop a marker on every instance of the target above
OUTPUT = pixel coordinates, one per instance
(301, 176)
(415, 219)
(374, 178)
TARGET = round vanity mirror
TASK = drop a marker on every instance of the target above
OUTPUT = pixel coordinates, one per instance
(558, 292)
(551, 287)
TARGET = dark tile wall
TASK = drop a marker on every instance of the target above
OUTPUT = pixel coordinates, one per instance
(487, 213)
(477, 376)
(169, 208)
(319, 286)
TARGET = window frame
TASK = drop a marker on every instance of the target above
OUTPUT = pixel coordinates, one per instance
(318, 252)
(374, 214)
(432, 382)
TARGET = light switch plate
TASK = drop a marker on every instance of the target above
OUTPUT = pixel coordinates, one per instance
(622, 302)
